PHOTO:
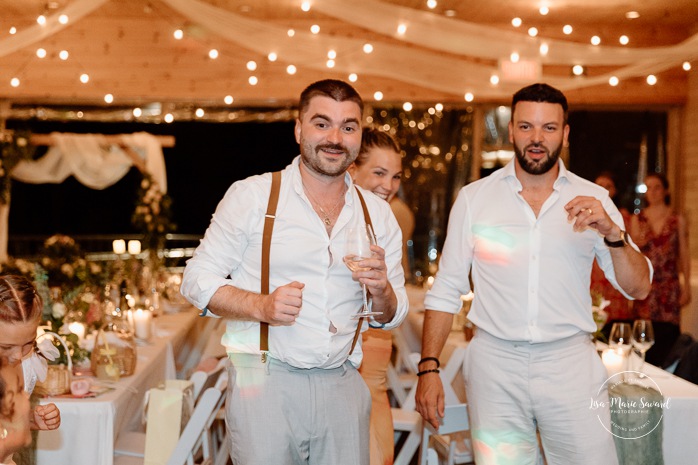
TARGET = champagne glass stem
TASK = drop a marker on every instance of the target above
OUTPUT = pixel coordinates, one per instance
(642, 360)
(363, 286)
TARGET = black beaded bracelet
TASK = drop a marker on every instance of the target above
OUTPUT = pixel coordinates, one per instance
(433, 370)
(430, 359)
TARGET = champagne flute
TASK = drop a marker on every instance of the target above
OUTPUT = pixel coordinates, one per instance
(357, 247)
(643, 338)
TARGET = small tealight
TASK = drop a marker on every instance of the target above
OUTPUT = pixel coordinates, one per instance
(80, 387)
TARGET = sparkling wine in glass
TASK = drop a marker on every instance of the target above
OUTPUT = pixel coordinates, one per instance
(643, 338)
(357, 247)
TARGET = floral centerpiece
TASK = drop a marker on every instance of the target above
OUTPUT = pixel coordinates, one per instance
(69, 285)
(14, 147)
(153, 214)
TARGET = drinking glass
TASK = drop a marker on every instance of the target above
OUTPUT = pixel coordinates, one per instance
(621, 340)
(357, 247)
(643, 338)
(621, 337)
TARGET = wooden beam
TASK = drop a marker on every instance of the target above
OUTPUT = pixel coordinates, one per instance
(47, 139)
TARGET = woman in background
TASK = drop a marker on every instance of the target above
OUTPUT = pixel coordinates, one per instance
(378, 168)
(662, 235)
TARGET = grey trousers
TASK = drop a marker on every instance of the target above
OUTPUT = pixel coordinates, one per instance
(281, 415)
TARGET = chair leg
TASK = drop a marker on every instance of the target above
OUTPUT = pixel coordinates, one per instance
(424, 447)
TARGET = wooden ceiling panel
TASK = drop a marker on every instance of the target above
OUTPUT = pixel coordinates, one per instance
(127, 48)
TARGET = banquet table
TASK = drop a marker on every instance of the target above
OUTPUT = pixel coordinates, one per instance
(89, 426)
(680, 416)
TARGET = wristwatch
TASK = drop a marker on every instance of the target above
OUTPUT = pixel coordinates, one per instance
(615, 244)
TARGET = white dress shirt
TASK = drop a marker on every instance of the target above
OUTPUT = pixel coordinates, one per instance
(530, 275)
(300, 251)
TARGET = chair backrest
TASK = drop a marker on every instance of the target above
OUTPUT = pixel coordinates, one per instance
(455, 419)
(406, 358)
(195, 434)
(203, 380)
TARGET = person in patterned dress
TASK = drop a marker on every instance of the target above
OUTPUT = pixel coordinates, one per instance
(662, 235)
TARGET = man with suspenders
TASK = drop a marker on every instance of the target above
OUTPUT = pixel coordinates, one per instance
(271, 263)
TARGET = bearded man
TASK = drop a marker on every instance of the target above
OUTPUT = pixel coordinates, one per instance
(529, 234)
(299, 400)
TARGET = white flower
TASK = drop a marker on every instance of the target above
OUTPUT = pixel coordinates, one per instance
(47, 349)
(67, 269)
(58, 310)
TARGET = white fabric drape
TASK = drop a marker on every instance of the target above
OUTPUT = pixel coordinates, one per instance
(435, 52)
(36, 33)
(94, 162)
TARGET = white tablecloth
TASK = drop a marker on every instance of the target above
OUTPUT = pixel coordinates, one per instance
(680, 422)
(90, 426)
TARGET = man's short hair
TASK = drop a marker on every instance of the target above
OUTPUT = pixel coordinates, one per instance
(372, 137)
(337, 90)
(540, 92)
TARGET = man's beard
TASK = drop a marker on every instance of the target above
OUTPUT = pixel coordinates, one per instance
(537, 167)
(311, 158)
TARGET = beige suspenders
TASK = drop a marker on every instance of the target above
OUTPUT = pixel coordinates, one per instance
(269, 218)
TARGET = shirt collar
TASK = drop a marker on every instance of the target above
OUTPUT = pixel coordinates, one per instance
(563, 175)
(298, 181)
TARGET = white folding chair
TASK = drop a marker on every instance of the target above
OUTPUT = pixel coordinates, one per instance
(195, 440)
(132, 443)
(405, 359)
(457, 449)
(406, 420)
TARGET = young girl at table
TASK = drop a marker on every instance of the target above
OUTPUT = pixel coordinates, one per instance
(20, 315)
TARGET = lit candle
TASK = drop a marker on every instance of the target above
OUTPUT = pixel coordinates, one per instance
(78, 329)
(142, 320)
(119, 246)
(134, 247)
(613, 360)
(129, 320)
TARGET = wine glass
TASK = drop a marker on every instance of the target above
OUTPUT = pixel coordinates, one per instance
(620, 339)
(643, 338)
(357, 247)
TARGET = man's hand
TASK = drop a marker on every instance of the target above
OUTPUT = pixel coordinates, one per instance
(430, 398)
(587, 212)
(282, 307)
(373, 272)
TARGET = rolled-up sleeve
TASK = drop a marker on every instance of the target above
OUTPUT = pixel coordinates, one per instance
(223, 246)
